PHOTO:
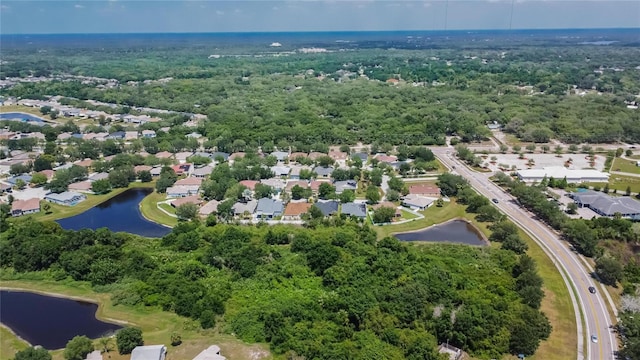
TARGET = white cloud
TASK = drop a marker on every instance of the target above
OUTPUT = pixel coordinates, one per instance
(4, 7)
(78, 6)
(219, 12)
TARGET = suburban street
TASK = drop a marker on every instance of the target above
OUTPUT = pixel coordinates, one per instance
(578, 278)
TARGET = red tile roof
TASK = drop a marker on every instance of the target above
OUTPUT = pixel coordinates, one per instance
(296, 209)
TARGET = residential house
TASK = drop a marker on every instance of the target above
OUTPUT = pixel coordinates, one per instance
(323, 171)
(99, 176)
(295, 171)
(67, 198)
(210, 353)
(189, 181)
(398, 212)
(269, 208)
(182, 169)
(14, 179)
(194, 135)
(302, 183)
(5, 188)
(315, 185)
(280, 155)
(64, 136)
(82, 186)
(417, 202)
(386, 159)
(117, 135)
(236, 155)
(24, 207)
(86, 163)
(361, 155)
(139, 168)
(148, 134)
(314, 155)
(241, 208)
(48, 173)
(182, 191)
(150, 352)
(155, 171)
(297, 155)
(249, 184)
(182, 156)
(358, 210)
(280, 171)
(295, 210)
(338, 155)
(218, 154)
(130, 135)
(327, 208)
(94, 355)
(425, 190)
(202, 172)
(193, 199)
(209, 208)
(345, 185)
(277, 184)
(164, 155)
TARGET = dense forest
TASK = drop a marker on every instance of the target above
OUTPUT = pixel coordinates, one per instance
(343, 97)
(325, 292)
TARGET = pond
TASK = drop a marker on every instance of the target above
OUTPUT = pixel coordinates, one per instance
(50, 321)
(21, 117)
(454, 231)
(120, 213)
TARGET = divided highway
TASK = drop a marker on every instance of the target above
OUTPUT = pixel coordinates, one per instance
(597, 319)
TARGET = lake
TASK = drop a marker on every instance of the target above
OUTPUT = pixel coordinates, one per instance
(120, 213)
(21, 117)
(454, 231)
(50, 321)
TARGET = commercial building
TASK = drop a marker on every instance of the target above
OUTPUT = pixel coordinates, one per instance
(606, 205)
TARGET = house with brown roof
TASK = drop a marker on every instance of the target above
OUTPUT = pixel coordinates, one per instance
(315, 185)
(387, 159)
(24, 207)
(302, 183)
(388, 204)
(188, 181)
(236, 155)
(164, 155)
(338, 155)
(249, 184)
(296, 155)
(209, 208)
(48, 173)
(425, 190)
(193, 199)
(182, 156)
(140, 168)
(84, 163)
(314, 155)
(82, 186)
(295, 210)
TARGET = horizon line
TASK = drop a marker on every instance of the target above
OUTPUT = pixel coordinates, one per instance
(324, 31)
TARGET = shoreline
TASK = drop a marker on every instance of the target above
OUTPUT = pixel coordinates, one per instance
(43, 120)
(479, 233)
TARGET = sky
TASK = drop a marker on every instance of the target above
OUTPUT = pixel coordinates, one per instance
(151, 16)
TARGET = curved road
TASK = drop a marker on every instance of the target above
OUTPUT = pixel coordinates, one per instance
(597, 319)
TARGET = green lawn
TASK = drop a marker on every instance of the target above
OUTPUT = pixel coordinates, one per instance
(407, 215)
(625, 165)
(9, 344)
(149, 209)
(157, 325)
(620, 183)
(168, 208)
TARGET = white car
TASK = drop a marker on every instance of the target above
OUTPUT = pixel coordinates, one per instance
(594, 339)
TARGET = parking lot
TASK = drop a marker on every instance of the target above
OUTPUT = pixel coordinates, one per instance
(578, 161)
(564, 199)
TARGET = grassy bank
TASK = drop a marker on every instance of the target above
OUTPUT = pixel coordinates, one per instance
(9, 344)
(620, 183)
(157, 326)
(150, 210)
(60, 212)
(562, 343)
(26, 110)
(625, 165)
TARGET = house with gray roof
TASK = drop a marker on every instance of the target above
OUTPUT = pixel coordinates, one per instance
(202, 172)
(280, 155)
(269, 208)
(149, 352)
(606, 205)
(67, 198)
(327, 208)
(223, 155)
(358, 210)
(280, 170)
(362, 156)
(417, 202)
(323, 172)
(14, 179)
(345, 185)
(98, 176)
(240, 208)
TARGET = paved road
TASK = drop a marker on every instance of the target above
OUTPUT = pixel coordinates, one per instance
(597, 320)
